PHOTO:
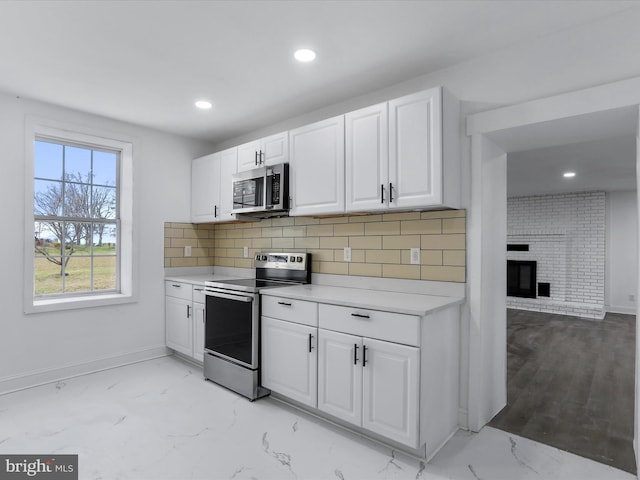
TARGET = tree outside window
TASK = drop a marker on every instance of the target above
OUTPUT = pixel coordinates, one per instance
(75, 218)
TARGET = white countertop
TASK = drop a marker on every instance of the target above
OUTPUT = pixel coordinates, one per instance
(198, 278)
(408, 303)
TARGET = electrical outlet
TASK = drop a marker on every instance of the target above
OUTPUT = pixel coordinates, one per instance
(415, 256)
(245, 252)
(187, 250)
(347, 254)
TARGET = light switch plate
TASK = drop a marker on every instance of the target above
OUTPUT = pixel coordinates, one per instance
(245, 252)
(347, 254)
(187, 250)
(415, 256)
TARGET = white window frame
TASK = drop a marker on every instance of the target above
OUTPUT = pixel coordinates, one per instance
(65, 133)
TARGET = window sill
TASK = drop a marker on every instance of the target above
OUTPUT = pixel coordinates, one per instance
(70, 303)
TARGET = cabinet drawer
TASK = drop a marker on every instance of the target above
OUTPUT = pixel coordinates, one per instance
(297, 311)
(178, 290)
(198, 294)
(392, 327)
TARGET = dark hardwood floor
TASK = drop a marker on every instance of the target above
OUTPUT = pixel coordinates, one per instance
(570, 384)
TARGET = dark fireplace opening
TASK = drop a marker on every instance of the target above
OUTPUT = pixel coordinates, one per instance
(521, 278)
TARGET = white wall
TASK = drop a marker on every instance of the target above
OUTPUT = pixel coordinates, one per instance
(31, 344)
(622, 252)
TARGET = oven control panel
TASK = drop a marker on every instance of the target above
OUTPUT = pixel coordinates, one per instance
(287, 261)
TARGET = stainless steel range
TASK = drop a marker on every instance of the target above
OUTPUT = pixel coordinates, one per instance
(232, 320)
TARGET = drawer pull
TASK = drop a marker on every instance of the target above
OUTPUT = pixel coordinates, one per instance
(355, 353)
(359, 315)
(364, 355)
(176, 285)
(284, 303)
(199, 289)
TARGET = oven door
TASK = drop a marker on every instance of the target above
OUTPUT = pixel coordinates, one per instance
(231, 329)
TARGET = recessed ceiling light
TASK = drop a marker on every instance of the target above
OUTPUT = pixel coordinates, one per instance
(304, 55)
(569, 174)
(203, 104)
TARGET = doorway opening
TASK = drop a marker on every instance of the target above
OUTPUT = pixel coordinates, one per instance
(571, 343)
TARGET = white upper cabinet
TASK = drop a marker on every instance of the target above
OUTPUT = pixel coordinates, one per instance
(248, 155)
(267, 151)
(317, 168)
(366, 158)
(211, 192)
(424, 161)
(205, 188)
(403, 154)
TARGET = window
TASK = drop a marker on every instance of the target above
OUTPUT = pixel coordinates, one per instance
(79, 234)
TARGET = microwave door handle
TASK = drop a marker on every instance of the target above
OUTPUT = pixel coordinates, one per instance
(268, 204)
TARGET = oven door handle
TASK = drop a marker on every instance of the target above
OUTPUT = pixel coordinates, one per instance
(238, 298)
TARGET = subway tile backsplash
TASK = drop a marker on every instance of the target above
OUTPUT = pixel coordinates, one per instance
(380, 244)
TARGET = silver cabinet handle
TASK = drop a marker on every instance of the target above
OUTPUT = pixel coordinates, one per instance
(188, 311)
(175, 285)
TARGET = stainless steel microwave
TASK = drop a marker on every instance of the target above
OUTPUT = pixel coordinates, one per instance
(264, 189)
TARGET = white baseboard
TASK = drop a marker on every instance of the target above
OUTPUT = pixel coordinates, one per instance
(463, 418)
(623, 310)
(42, 377)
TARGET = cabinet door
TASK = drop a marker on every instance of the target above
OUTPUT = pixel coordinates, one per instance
(316, 154)
(248, 156)
(415, 150)
(290, 360)
(179, 325)
(275, 149)
(391, 390)
(366, 159)
(340, 375)
(198, 331)
(228, 166)
(205, 188)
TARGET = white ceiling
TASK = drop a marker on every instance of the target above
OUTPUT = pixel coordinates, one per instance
(599, 147)
(146, 62)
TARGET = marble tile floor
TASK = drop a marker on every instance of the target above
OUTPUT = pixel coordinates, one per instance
(160, 420)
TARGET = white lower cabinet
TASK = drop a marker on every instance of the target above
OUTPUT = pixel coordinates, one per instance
(390, 390)
(340, 375)
(370, 383)
(290, 360)
(391, 375)
(184, 318)
(179, 326)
